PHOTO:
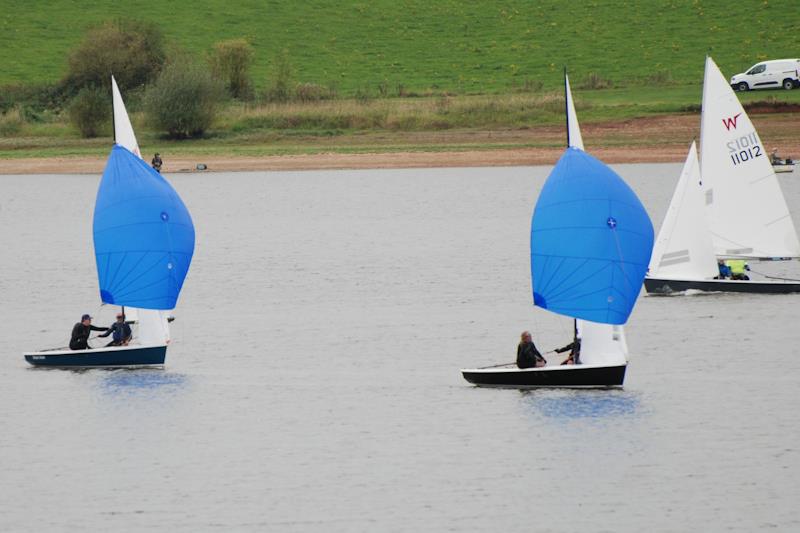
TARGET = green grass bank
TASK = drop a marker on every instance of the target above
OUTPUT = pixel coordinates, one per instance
(418, 46)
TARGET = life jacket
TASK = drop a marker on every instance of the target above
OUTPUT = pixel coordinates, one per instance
(736, 266)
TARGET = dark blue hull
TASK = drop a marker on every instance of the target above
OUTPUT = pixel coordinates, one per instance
(668, 286)
(565, 376)
(123, 357)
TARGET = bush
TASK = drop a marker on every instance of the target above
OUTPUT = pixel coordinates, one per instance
(33, 96)
(90, 110)
(11, 122)
(184, 99)
(594, 81)
(311, 92)
(362, 95)
(280, 90)
(231, 63)
(132, 51)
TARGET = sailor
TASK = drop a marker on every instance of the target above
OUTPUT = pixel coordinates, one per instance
(81, 332)
(574, 357)
(737, 268)
(776, 160)
(157, 162)
(121, 332)
(724, 270)
(527, 354)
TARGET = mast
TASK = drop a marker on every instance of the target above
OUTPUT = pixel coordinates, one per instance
(566, 101)
(113, 119)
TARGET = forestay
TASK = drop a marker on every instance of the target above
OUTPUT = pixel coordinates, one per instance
(748, 216)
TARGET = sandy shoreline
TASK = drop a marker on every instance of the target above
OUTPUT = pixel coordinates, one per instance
(663, 139)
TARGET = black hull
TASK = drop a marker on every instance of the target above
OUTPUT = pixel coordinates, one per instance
(668, 286)
(127, 357)
(567, 376)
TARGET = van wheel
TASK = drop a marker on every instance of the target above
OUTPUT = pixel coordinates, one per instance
(788, 84)
(742, 87)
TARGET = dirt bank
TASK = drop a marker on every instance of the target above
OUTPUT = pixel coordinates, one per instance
(644, 140)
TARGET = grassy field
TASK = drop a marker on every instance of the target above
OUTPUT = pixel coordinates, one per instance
(450, 46)
(474, 74)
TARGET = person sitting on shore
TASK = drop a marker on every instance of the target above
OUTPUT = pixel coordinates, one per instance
(81, 332)
(157, 162)
(527, 354)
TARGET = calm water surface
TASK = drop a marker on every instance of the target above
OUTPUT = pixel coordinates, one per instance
(313, 382)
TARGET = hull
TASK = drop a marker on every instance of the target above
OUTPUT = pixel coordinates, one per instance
(571, 376)
(669, 286)
(783, 168)
(117, 357)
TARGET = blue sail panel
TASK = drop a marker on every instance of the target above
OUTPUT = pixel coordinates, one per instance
(591, 241)
(143, 235)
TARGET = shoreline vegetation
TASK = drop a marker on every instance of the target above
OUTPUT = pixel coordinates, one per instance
(355, 85)
(637, 124)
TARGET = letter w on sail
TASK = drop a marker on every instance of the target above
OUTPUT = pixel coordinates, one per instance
(731, 121)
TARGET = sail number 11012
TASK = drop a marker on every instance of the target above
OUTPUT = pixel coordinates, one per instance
(745, 148)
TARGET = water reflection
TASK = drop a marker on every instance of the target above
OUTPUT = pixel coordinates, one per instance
(142, 381)
(592, 404)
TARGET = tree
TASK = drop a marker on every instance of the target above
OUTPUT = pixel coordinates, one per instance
(281, 89)
(183, 100)
(90, 110)
(133, 51)
(230, 63)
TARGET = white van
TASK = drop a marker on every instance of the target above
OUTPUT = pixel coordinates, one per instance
(769, 74)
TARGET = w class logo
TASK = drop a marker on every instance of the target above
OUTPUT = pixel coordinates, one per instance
(731, 121)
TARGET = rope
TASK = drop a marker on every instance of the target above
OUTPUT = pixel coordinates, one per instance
(773, 277)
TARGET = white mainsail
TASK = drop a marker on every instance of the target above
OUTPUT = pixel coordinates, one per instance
(123, 130)
(748, 216)
(683, 249)
(601, 344)
(574, 138)
(153, 327)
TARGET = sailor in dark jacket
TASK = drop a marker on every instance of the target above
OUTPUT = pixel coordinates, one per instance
(157, 162)
(574, 357)
(121, 332)
(527, 354)
(81, 332)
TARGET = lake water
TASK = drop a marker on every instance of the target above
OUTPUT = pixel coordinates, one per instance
(313, 381)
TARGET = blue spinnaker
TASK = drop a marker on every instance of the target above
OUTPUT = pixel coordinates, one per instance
(591, 241)
(143, 235)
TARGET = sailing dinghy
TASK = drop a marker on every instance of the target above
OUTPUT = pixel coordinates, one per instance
(143, 241)
(730, 206)
(787, 166)
(591, 241)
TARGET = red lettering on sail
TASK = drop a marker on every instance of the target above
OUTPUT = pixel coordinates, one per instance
(730, 121)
